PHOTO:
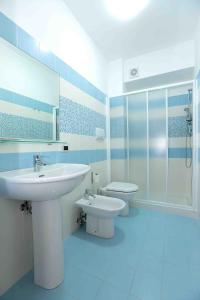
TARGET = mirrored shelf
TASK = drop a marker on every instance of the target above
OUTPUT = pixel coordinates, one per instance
(49, 142)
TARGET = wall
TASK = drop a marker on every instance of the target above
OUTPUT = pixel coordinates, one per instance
(115, 78)
(83, 107)
(167, 60)
(156, 68)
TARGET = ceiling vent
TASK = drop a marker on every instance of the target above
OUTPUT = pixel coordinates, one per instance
(134, 73)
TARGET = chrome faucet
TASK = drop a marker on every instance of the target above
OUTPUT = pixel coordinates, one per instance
(88, 193)
(37, 162)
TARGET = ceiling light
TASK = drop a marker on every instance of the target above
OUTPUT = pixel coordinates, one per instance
(125, 9)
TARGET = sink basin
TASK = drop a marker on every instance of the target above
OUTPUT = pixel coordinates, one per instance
(44, 189)
(50, 183)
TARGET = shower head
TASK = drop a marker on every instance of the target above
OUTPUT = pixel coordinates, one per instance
(188, 114)
(186, 109)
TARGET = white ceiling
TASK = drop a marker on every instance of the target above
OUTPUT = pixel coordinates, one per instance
(162, 24)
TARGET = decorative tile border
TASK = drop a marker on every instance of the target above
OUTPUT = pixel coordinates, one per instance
(23, 41)
(12, 126)
(177, 127)
(22, 100)
(12, 161)
(78, 119)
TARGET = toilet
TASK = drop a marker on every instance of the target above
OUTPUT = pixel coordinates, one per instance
(100, 211)
(122, 190)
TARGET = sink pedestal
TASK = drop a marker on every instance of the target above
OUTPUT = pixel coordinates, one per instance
(48, 243)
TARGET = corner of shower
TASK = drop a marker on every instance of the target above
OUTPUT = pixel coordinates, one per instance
(160, 153)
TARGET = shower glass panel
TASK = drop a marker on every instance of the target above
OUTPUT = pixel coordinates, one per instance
(157, 145)
(180, 145)
(138, 148)
(160, 125)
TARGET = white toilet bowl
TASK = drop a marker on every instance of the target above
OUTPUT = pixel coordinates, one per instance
(100, 212)
(121, 190)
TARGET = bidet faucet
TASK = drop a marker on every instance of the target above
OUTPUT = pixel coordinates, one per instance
(88, 193)
(37, 162)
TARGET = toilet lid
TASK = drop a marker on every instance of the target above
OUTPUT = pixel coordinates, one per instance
(122, 187)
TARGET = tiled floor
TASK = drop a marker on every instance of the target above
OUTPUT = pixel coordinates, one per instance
(153, 256)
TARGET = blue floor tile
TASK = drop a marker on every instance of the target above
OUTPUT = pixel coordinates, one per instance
(81, 285)
(148, 279)
(120, 275)
(153, 256)
(177, 283)
(108, 292)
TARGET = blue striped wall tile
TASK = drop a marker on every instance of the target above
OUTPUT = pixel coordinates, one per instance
(143, 152)
(22, 160)
(12, 161)
(120, 153)
(118, 127)
(117, 101)
(22, 100)
(138, 152)
(27, 44)
(179, 152)
(78, 119)
(83, 156)
(12, 126)
(157, 103)
(8, 29)
(178, 100)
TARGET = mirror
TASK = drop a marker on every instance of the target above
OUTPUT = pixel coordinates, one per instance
(29, 97)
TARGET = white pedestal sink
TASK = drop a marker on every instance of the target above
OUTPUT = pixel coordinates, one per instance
(44, 189)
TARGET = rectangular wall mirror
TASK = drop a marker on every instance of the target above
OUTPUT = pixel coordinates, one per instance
(29, 97)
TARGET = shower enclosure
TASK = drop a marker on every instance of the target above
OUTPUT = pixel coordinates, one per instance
(159, 144)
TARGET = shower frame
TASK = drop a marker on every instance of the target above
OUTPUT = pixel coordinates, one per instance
(186, 209)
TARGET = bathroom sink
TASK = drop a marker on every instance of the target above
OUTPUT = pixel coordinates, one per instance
(44, 189)
(50, 183)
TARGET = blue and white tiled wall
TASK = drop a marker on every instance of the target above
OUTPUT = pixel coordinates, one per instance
(82, 109)
(179, 177)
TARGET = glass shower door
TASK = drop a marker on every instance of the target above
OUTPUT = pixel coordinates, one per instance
(137, 135)
(158, 145)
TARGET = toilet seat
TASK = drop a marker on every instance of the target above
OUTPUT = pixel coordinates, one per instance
(122, 190)
(123, 187)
